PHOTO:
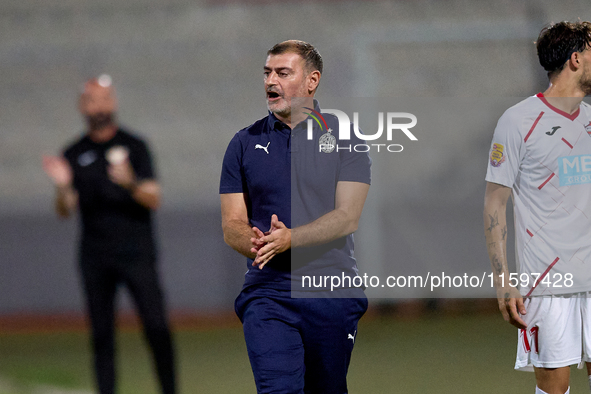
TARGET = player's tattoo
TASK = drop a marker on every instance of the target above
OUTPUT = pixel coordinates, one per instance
(494, 221)
(504, 232)
(507, 297)
(491, 245)
(496, 264)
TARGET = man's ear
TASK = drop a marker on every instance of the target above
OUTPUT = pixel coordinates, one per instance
(313, 79)
(575, 60)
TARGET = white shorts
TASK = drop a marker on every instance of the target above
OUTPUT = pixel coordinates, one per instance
(558, 332)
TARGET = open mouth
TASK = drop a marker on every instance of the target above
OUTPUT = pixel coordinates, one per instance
(272, 95)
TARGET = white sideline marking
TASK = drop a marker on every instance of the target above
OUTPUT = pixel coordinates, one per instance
(8, 387)
(56, 390)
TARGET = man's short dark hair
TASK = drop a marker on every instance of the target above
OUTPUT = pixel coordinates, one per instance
(311, 56)
(556, 43)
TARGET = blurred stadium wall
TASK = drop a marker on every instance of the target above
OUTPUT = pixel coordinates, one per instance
(189, 75)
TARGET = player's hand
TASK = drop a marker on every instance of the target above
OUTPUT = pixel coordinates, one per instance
(59, 170)
(277, 240)
(122, 174)
(511, 306)
(256, 242)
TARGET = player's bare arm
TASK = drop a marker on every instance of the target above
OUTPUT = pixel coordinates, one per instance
(145, 192)
(235, 224)
(340, 222)
(59, 171)
(495, 231)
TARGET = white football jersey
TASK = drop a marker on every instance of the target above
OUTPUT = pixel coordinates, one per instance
(544, 155)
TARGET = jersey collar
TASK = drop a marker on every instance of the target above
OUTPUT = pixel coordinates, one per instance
(572, 116)
(275, 124)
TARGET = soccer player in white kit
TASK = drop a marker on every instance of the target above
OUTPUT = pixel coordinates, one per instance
(541, 156)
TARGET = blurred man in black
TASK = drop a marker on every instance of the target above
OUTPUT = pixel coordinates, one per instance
(108, 174)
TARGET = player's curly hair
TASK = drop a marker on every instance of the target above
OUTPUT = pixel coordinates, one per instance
(556, 43)
(311, 56)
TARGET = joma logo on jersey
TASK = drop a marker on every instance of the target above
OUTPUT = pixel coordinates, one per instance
(574, 170)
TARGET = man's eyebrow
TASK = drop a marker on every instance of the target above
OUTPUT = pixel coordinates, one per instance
(277, 69)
